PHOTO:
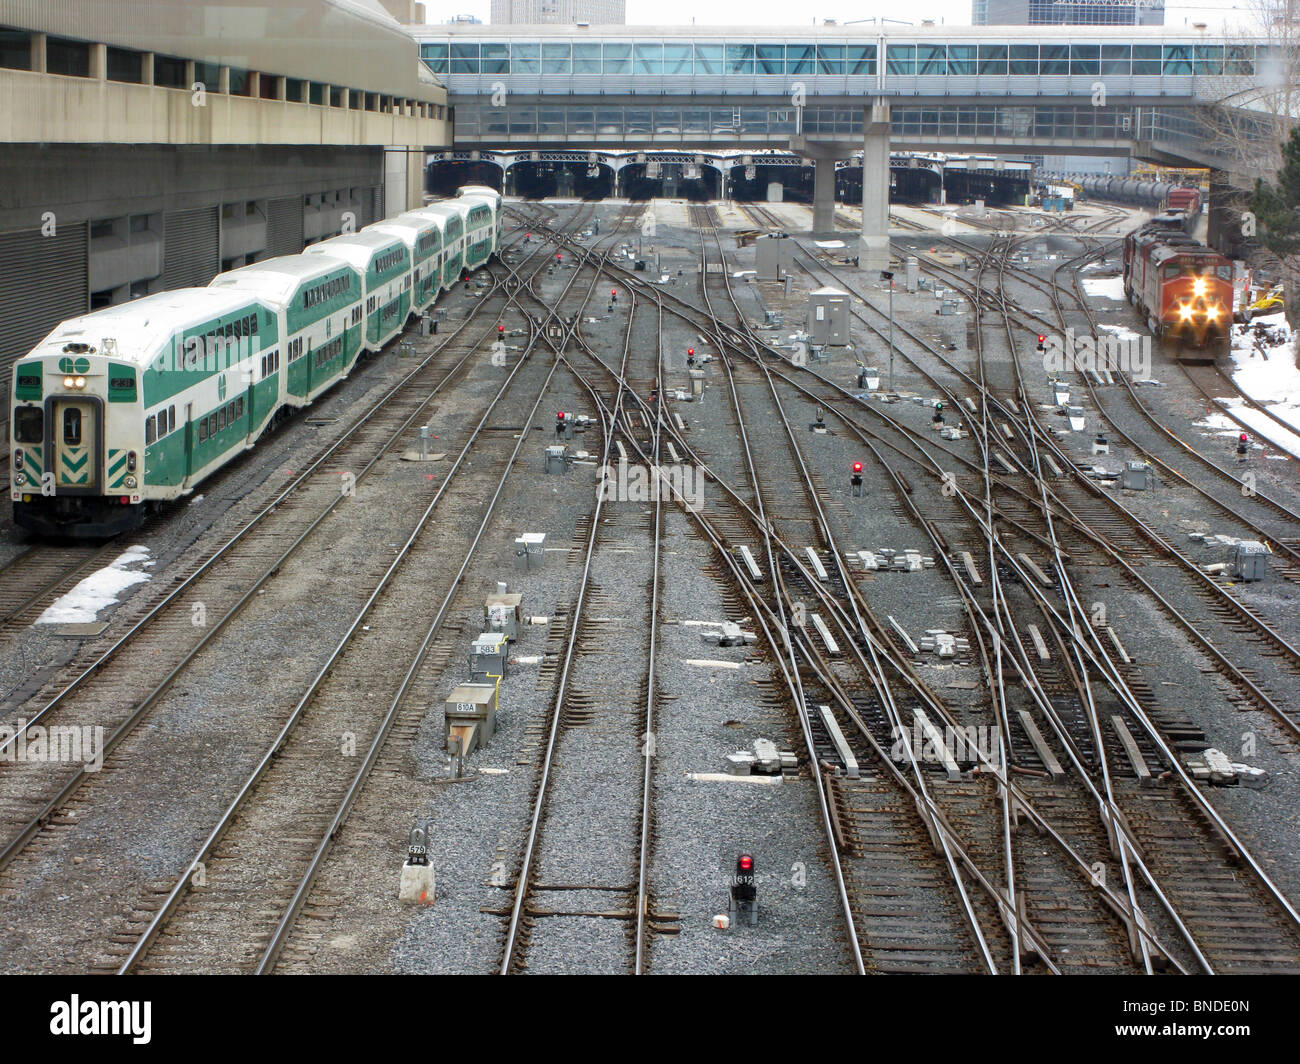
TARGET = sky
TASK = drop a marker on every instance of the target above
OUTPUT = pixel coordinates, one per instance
(780, 13)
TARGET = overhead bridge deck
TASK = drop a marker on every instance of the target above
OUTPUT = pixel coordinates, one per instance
(829, 91)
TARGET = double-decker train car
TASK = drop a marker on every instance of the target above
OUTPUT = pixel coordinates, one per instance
(129, 407)
(1183, 289)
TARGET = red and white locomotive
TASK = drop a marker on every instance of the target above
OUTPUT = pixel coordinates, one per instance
(1183, 288)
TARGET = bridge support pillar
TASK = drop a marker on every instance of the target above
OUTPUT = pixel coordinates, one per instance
(823, 193)
(873, 249)
(403, 179)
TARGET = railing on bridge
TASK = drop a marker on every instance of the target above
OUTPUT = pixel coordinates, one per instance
(777, 124)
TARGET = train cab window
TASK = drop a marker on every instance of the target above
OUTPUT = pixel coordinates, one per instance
(1171, 272)
(203, 429)
(239, 407)
(29, 424)
(150, 433)
(1225, 273)
(72, 427)
(171, 419)
(221, 419)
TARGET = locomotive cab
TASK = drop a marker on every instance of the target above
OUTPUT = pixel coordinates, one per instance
(60, 482)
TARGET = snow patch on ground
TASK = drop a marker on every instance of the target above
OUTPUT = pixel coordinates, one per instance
(98, 591)
(1266, 371)
(1122, 331)
(1105, 287)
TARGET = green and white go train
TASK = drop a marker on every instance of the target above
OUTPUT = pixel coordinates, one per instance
(135, 405)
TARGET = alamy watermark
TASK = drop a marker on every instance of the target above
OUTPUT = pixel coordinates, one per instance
(1130, 355)
(975, 742)
(62, 743)
(627, 482)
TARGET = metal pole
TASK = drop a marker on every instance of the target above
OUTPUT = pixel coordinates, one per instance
(891, 334)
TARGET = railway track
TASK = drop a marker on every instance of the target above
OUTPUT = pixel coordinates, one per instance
(1256, 901)
(239, 922)
(40, 798)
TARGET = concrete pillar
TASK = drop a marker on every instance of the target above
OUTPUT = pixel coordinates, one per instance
(824, 194)
(99, 62)
(39, 53)
(147, 69)
(873, 249)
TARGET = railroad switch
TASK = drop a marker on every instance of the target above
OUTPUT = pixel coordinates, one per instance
(1138, 476)
(728, 635)
(487, 657)
(1100, 445)
(944, 644)
(744, 889)
(417, 883)
(818, 426)
(1250, 562)
(470, 717)
(764, 760)
(1214, 766)
(531, 547)
(558, 459)
(503, 609)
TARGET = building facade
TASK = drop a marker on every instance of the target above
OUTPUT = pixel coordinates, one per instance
(1068, 13)
(147, 147)
(559, 12)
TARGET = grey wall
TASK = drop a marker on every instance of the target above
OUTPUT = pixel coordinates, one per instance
(50, 195)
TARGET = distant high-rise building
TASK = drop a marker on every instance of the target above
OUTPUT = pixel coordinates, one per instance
(1067, 12)
(561, 12)
(410, 12)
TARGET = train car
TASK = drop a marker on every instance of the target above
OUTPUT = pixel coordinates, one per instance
(494, 197)
(1184, 198)
(481, 233)
(134, 405)
(451, 221)
(316, 299)
(1181, 287)
(384, 264)
(423, 238)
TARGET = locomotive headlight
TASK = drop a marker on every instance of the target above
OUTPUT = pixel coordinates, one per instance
(18, 458)
(1212, 312)
(80, 382)
(20, 479)
(1198, 286)
(68, 382)
(130, 482)
(1184, 312)
(130, 462)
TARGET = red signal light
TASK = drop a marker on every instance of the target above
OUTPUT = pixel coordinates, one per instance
(1042, 339)
(857, 467)
(559, 415)
(690, 351)
(746, 862)
(501, 328)
(613, 291)
(1243, 437)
